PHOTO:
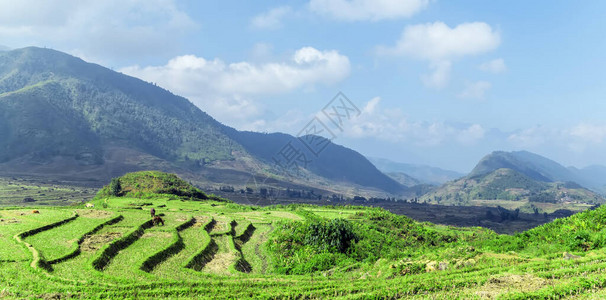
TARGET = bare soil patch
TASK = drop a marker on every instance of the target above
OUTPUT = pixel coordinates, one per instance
(161, 234)
(93, 213)
(199, 221)
(220, 263)
(509, 283)
(9, 221)
(95, 242)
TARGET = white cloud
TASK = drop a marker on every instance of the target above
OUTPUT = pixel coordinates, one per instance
(495, 66)
(592, 133)
(367, 10)
(578, 144)
(271, 19)
(475, 90)
(289, 122)
(227, 90)
(437, 41)
(371, 106)
(100, 29)
(440, 45)
(578, 138)
(471, 134)
(394, 126)
(532, 137)
(439, 77)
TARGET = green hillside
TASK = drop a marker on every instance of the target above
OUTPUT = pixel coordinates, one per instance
(60, 111)
(210, 249)
(56, 104)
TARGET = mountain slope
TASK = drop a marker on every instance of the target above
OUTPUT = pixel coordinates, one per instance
(335, 162)
(56, 108)
(51, 100)
(404, 179)
(593, 177)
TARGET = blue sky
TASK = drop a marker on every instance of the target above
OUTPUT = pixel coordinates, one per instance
(438, 82)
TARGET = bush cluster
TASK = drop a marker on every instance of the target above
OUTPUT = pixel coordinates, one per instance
(321, 244)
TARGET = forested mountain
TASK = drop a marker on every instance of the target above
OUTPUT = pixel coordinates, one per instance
(53, 105)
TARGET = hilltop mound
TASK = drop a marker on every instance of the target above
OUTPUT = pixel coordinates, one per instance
(147, 184)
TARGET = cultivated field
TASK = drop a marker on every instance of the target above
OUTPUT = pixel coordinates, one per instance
(220, 250)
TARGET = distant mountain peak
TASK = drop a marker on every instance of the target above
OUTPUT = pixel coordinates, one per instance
(530, 164)
(541, 168)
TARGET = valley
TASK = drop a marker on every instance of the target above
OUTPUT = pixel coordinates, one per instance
(114, 187)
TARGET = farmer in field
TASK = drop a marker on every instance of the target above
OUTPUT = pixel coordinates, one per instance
(153, 212)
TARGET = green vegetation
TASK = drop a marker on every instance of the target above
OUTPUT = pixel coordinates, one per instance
(151, 184)
(581, 232)
(211, 249)
(74, 109)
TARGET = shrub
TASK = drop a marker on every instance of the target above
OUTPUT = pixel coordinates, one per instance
(332, 235)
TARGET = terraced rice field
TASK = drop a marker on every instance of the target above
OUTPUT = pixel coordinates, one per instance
(214, 250)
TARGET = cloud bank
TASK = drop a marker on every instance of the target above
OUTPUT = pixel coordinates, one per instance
(440, 45)
(96, 30)
(228, 90)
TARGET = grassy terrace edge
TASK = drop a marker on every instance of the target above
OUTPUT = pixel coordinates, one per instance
(175, 246)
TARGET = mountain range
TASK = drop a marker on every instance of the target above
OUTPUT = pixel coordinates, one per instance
(60, 115)
(63, 117)
(414, 173)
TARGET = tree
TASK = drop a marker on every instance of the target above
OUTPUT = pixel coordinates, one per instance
(115, 187)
